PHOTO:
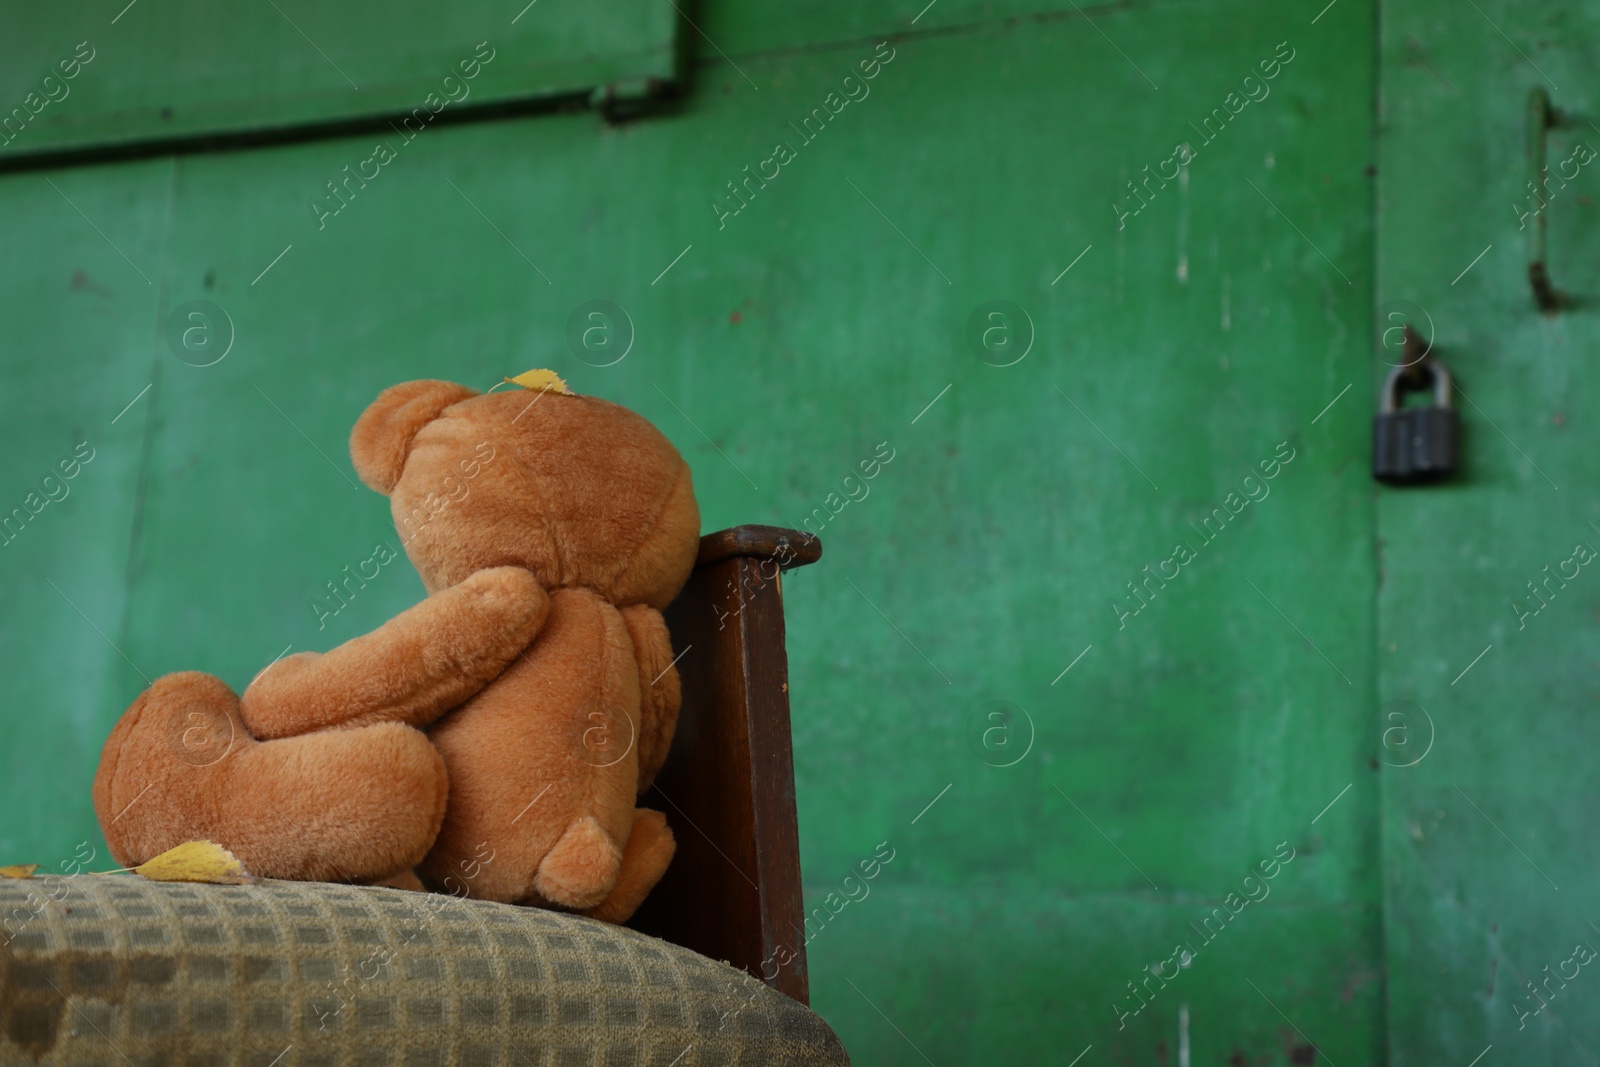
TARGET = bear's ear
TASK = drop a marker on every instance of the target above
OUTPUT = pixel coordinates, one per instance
(382, 436)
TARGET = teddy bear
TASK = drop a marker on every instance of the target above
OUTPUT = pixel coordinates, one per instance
(494, 737)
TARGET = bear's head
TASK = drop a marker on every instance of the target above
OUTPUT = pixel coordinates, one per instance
(577, 490)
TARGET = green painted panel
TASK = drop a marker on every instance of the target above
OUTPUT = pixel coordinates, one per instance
(161, 71)
(997, 1004)
(81, 298)
(1486, 841)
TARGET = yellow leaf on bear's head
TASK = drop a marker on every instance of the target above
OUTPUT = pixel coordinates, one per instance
(196, 861)
(20, 870)
(541, 381)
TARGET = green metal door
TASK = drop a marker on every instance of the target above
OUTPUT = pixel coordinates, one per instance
(1487, 610)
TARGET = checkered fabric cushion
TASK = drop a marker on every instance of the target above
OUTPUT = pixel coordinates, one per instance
(118, 971)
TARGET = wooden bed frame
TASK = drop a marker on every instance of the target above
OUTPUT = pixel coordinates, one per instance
(727, 789)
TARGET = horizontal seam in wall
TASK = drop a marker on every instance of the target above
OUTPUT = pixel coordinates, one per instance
(712, 58)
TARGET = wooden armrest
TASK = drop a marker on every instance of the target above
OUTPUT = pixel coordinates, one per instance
(727, 788)
(791, 548)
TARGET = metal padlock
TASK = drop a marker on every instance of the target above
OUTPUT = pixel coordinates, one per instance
(1415, 445)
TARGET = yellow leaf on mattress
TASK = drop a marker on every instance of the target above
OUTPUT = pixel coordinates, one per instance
(196, 861)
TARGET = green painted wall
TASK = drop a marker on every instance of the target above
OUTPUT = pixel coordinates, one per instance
(1185, 341)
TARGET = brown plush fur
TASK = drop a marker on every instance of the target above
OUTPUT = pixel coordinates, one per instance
(412, 669)
(346, 805)
(659, 692)
(544, 765)
(579, 491)
(549, 530)
(546, 761)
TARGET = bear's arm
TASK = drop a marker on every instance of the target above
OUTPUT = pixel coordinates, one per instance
(659, 692)
(420, 664)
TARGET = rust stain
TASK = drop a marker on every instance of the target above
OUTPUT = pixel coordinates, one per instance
(81, 281)
(1356, 981)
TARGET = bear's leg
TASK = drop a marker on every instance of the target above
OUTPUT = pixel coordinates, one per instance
(342, 805)
(582, 867)
(644, 860)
